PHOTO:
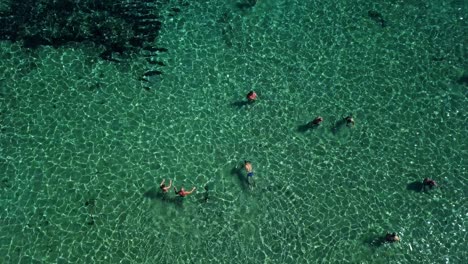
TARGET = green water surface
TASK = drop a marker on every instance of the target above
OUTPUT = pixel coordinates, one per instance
(84, 142)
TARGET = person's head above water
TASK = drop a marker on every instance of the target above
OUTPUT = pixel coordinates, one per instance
(349, 120)
(248, 166)
(316, 121)
(251, 96)
(392, 237)
(163, 186)
(429, 182)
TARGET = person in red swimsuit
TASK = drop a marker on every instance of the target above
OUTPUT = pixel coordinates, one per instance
(251, 96)
(182, 192)
(163, 186)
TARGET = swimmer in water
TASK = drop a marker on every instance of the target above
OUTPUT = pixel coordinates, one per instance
(182, 192)
(349, 121)
(251, 96)
(316, 121)
(248, 168)
(392, 237)
(427, 182)
(163, 186)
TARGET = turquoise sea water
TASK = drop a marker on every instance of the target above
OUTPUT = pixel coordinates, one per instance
(84, 146)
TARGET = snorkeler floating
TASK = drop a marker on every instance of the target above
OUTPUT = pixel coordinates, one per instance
(377, 17)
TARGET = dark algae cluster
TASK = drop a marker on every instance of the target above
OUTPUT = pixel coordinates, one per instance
(377, 17)
(118, 26)
(246, 4)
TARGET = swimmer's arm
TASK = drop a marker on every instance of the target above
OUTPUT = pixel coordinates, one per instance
(191, 191)
(170, 184)
(162, 182)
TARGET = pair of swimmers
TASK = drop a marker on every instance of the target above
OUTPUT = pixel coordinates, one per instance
(181, 192)
(393, 237)
(252, 97)
(318, 120)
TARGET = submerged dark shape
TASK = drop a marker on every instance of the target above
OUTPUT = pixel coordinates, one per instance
(438, 58)
(309, 126)
(155, 62)
(416, 186)
(303, 128)
(246, 4)
(152, 73)
(338, 125)
(107, 55)
(155, 49)
(240, 103)
(377, 17)
(463, 80)
(375, 241)
(206, 194)
(91, 206)
(116, 25)
(4, 183)
(243, 181)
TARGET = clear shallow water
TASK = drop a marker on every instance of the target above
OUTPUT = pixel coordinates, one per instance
(84, 145)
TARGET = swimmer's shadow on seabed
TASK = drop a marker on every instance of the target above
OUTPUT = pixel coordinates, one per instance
(155, 194)
(206, 196)
(240, 104)
(243, 180)
(375, 241)
(338, 126)
(246, 4)
(306, 127)
(416, 186)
